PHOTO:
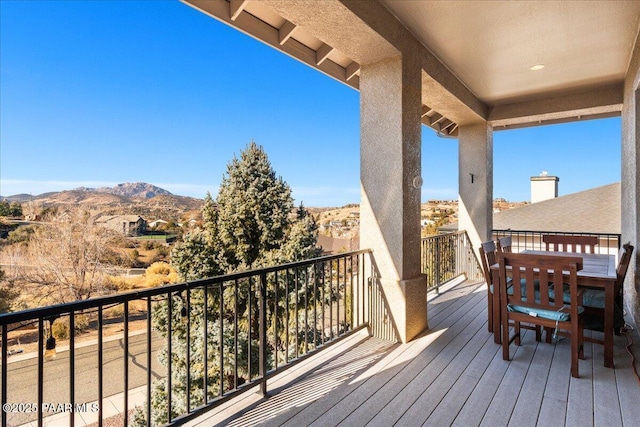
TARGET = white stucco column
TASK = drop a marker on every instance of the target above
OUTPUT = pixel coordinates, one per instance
(630, 182)
(390, 177)
(475, 182)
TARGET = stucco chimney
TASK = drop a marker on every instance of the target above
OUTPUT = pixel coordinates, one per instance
(544, 187)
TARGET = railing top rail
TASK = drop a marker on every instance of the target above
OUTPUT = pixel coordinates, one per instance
(77, 306)
(585, 233)
(444, 234)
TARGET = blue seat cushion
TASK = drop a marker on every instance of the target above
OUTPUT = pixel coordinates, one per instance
(523, 290)
(561, 316)
(590, 297)
(593, 298)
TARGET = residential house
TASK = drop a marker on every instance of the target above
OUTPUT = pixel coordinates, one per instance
(593, 211)
(596, 210)
(334, 245)
(128, 225)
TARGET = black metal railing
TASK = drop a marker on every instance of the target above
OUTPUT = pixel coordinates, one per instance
(608, 243)
(447, 256)
(221, 336)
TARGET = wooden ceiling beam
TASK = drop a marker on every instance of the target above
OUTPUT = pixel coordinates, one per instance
(235, 8)
(435, 119)
(351, 70)
(323, 53)
(445, 124)
(286, 31)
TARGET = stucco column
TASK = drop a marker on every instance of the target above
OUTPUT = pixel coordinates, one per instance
(390, 109)
(630, 183)
(475, 182)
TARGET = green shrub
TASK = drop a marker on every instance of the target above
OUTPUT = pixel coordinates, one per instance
(60, 329)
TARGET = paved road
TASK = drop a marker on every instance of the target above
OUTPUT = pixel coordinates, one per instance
(22, 383)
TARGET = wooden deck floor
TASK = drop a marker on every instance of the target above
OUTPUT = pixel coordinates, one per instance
(451, 375)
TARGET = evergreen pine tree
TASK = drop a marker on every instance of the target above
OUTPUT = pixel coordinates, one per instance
(253, 210)
(251, 224)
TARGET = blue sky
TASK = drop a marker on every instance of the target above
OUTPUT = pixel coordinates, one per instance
(96, 93)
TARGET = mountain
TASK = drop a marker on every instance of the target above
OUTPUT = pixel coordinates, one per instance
(127, 190)
(135, 190)
(23, 197)
(137, 198)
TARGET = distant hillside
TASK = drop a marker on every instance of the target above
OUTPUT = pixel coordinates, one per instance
(136, 190)
(22, 197)
(138, 198)
(130, 189)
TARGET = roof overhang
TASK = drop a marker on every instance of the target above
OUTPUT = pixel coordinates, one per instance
(476, 56)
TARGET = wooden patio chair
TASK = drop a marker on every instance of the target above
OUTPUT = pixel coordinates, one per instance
(594, 298)
(521, 301)
(488, 255)
(504, 244)
(564, 243)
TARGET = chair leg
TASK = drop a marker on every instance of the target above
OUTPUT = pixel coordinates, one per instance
(575, 349)
(497, 315)
(516, 328)
(505, 335)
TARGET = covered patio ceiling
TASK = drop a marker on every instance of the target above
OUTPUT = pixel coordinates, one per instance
(479, 58)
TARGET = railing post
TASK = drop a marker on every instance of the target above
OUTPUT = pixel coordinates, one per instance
(263, 334)
(5, 358)
(126, 364)
(149, 367)
(72, 367)
(437, 265)
(41, 372)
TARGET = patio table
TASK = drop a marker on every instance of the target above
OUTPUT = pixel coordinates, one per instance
(598, 271)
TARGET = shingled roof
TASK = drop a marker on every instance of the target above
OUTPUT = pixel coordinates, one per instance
(591, 211)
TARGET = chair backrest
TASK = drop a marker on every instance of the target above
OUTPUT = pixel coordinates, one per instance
(563, 243)
(488, 257)
(504, 244)
(533, 276)
(624, 258)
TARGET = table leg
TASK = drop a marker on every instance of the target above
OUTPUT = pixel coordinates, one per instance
(609, 302)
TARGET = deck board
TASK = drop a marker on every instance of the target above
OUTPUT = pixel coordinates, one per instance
(452, 374)
(605, 392)
(457, 396)
(556, 393)
(532, 393)
(438, 378)
(504, 400)
(398, 395)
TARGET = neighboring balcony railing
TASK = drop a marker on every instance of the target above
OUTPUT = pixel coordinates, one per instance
(447, 256)
(608, 243)
(221, 336)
